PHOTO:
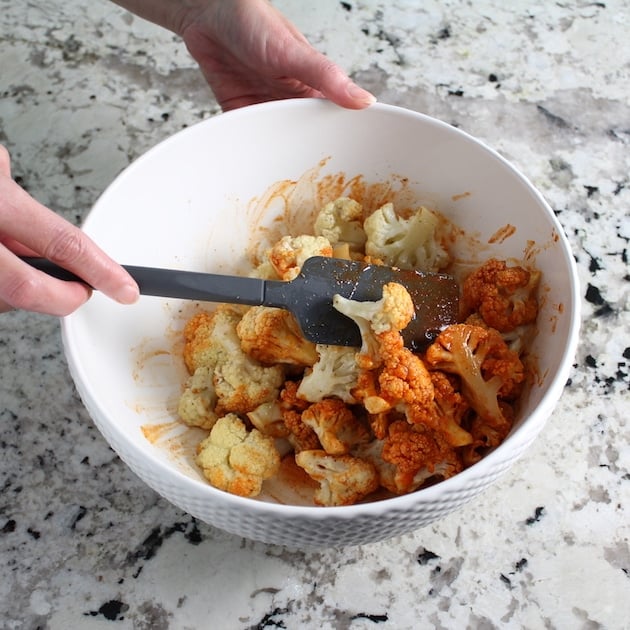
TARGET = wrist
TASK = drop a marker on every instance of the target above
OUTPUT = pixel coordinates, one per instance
(173, 15)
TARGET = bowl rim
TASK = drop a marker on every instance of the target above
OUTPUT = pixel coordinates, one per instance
(522, 436)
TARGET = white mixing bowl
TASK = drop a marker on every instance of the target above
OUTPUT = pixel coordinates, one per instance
(200, 201)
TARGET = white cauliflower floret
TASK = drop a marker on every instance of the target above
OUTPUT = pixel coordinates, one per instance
(272, 335)
(236, 460)
(406, 243)
(198, 400)
(341, 221)
(337, 428)
(334, 374)
(343, 479)
(288, 255)
(240, 382)
(391, 313)
(210, 337)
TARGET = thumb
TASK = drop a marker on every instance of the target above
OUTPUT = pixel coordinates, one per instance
(5, 162)
(319, 72)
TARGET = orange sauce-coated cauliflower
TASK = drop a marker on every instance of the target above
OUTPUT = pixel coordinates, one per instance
(417, 454)
(505, 297)
(445, 413)
(404, 377)
(301, 436)
(486, 366)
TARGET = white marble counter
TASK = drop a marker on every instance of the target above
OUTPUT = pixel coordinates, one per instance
(84, 89)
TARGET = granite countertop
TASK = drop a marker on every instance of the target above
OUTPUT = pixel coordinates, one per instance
(84, 89)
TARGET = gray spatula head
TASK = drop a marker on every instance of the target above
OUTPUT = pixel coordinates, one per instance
(309, 298)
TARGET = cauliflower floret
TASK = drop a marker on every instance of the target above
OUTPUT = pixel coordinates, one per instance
(404, 380)
(235, 460)
(336, 426)
(342, 221)
(391, 313)
(416, 455)
(466, 350)
(402, 383)
(334, 374)
(343, 479)
(271, 335)
(242, 384)
(211, 337)
(505, 297)
(410, 243)
(197, 402)
(288, 255)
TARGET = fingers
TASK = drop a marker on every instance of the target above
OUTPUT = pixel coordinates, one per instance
(22, 287)
(313, 69)
(322, 74)
(5, 162)
(335, 85)
(250, 52)
(27, 226)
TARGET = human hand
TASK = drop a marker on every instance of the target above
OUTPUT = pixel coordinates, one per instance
(27, 228)
(250, 53)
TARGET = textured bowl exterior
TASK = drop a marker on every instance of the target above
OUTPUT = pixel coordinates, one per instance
(187, 199)
(312, 527)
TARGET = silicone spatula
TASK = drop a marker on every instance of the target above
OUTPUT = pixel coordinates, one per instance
(309, 296)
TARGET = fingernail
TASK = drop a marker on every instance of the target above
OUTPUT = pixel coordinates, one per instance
(359, 94)
(128, 294)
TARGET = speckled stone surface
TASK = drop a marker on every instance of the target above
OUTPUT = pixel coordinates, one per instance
(84, 89)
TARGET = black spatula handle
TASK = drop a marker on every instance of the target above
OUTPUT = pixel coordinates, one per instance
(188, 285)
